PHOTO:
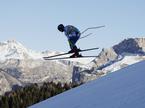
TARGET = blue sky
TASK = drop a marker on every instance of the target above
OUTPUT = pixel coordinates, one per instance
(34, 22)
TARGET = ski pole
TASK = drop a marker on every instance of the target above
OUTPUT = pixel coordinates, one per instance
(92, 28)
(86, 35)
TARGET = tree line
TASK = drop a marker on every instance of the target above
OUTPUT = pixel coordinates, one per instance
(34, 93)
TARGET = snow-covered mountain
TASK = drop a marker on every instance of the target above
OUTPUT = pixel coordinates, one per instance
(20, 66)
(23, 66)
(122, 89)
(12, 49)
(127, 52)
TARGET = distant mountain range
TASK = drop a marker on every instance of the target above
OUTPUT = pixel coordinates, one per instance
(21, 66)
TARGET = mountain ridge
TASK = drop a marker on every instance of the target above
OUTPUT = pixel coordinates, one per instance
(26, 66)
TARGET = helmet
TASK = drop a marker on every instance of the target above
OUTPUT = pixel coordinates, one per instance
(60, 27)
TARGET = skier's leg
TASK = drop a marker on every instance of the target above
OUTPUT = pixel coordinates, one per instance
(72, 41)
(73, 47)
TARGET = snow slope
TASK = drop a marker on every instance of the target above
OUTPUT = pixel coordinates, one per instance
(122, 89)
(123, 62)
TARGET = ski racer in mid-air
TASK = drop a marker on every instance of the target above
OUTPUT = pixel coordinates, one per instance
(72, 34)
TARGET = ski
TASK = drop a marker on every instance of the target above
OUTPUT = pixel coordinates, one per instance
(63, 58)
(57, 55)
(71, 52)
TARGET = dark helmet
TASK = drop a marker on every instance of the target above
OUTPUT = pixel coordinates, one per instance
(60, 27)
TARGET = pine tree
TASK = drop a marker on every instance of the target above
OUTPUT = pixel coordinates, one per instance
(4, 102)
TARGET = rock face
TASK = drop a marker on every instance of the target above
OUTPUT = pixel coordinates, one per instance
(125, 53)
(7, 81)
(135, 46)
(105, 56)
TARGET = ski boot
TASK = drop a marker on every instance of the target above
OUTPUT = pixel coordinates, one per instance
(74, 50)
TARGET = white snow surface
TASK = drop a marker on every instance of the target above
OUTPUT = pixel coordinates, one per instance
(124, 88)
(126, 60)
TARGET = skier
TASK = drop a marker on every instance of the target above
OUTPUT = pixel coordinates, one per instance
(72, 34)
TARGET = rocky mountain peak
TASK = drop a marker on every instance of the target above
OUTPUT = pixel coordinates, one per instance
(15, 50)
(104, 56)
(131, 45)
(11, 43)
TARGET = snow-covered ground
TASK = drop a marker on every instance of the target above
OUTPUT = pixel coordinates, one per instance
(122, 62)
(122, 89)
